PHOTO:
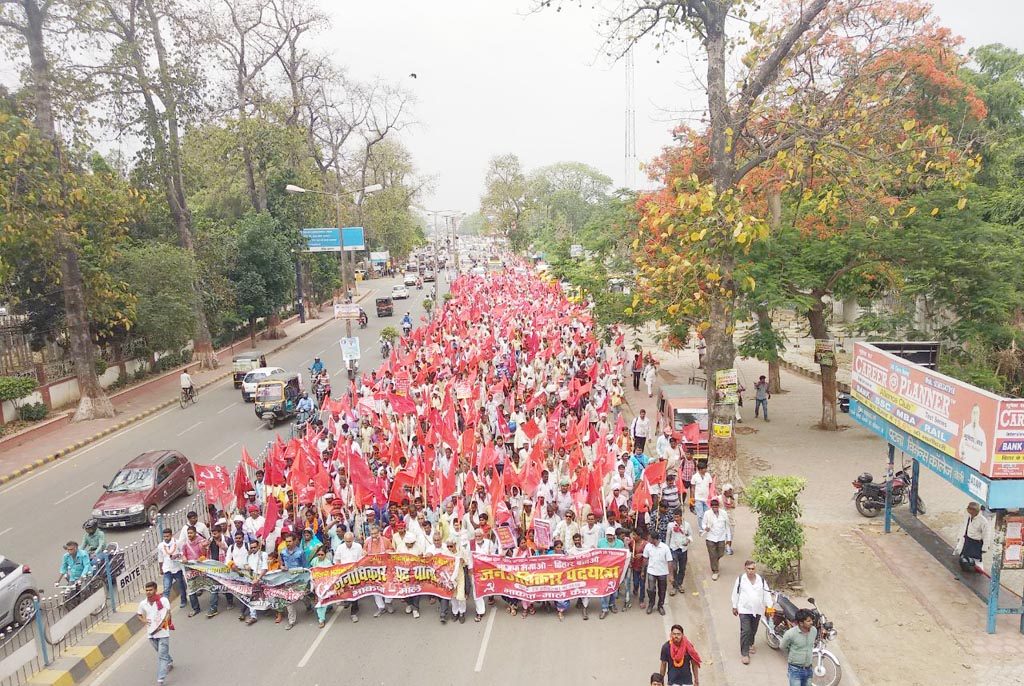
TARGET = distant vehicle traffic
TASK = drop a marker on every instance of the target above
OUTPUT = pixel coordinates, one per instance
(253, 378)
(399, 293)
(409, 279)
(143, 486)
(17, 591)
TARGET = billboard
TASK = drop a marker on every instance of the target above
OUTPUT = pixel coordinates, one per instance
(973, 426)
(352, 238)
(332, 239)
(380, 257)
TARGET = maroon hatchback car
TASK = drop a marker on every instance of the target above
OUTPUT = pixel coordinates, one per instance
(142, 487)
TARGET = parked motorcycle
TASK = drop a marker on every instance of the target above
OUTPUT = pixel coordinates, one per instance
(826, 670)
(870, 496)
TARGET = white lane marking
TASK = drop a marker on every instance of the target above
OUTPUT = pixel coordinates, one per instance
(69, 496)
(483, 644)
(227, 408)
(319, 638)
(140, 640)
(215, 457)
(66, 460)
(185, 431)
(10, 528)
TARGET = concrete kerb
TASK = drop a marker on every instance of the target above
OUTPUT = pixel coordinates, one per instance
(98, 644)
(53, 457)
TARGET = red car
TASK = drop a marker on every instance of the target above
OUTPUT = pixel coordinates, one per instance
(142, 487)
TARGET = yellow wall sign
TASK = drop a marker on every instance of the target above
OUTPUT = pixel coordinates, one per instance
(722, 430)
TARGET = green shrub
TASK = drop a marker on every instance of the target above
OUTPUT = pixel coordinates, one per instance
(101, 366)
(447, 296)
(389, 333)
(779, 538)
(33, 412)
(16, 387)
(428, 305)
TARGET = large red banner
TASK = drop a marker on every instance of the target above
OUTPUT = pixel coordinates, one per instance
(392, 575)
(593, 574)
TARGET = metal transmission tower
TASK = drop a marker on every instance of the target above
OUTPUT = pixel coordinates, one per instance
(630, 161)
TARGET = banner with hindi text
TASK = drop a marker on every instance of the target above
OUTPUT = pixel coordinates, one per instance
(275, 591)
(593, 574)
(392, 575)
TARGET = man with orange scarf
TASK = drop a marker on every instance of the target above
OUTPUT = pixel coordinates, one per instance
(680, 662)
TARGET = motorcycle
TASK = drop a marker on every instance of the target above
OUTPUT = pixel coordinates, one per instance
(299, 425)
(406, 328)
(363, 320)
(825, 667)
(385, 350)
(870, 496)
(73, 593)
(321, 390)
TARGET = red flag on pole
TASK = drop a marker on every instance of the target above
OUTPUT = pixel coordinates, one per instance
(270, 519)
(242, 483)
(654, 473)
(642, 497)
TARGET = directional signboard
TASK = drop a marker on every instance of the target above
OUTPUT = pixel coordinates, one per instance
(333, 239)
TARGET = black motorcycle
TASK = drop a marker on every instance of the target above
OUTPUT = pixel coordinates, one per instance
(870, 496)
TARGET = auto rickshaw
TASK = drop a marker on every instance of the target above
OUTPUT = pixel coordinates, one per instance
(242, 365)
(277, 397)
(385, 307)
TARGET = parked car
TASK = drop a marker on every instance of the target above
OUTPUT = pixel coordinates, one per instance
(409, 279)
(142, 487)
(399, 293)
(17, 590)
(253, 378)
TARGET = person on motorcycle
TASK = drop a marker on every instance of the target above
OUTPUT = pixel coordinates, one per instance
(75, 564)
(317, 367)
(305, 404)
(364, 319)
(407, 323)
(94, 539)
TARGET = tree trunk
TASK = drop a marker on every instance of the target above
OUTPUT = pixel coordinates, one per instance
(819, 331)
(93, 402)
(774, 376)
(764, 322)
(274, 330)
(252, 332)
(174, 178)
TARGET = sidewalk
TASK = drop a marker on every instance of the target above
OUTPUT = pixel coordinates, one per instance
(27, 451)
(896, 609)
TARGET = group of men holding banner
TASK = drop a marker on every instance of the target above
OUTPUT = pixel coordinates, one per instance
(486, 458)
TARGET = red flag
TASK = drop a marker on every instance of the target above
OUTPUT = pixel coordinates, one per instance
(273, 466)
(242, 483)
(691, 433)
(654, 473)
(402, 479)
(594, 494)
(270, 519)
(496, 489)
(247, 459)
(470, 483)
(215, 481)
(530, 429)
(642, 497)
(402, 404)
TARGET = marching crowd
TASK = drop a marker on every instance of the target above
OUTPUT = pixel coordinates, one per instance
(495, 428)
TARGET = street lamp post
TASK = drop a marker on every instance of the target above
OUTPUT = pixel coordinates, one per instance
(361, 193)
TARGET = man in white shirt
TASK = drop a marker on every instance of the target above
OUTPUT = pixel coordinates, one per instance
(168, 554)
(717, 532)
(186, 382)
(640, 429)
(349, 551)
(973, 448)
(155, 611)
(662, 445)
(256, 567)
(193, 520)
(480, 546)
(977, 531)
(678, 535)
(657, 558)
(591, 532)
(700, 484)
(622, 478)
(563, 499)
(750, 597)
(545, 488)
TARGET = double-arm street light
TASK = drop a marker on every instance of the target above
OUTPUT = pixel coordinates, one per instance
(359, 194)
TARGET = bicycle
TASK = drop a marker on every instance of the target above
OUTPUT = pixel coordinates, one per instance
(187, 395)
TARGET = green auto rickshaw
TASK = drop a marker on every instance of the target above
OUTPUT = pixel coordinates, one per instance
(277, 397)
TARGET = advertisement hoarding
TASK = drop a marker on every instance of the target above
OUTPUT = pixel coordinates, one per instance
(971, 425)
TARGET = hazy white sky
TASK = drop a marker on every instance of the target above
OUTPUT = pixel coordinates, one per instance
(494, 78)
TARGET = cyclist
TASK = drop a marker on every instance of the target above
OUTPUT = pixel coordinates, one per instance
(94, 539)
(186, 383)
(75, 564)
(317, 367)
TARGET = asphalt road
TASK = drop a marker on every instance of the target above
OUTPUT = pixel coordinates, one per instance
(42, 510)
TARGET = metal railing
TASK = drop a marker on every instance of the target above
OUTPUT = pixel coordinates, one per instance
(62, 619)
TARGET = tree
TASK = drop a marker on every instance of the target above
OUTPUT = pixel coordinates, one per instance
(53, 209)
(155, 273)
(504, 199)
(263, 272)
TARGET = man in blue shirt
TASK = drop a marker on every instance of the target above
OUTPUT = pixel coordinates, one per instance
(75, 564)
(292, 557)
(611, 541)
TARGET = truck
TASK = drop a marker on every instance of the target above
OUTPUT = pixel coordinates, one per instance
(684, 408)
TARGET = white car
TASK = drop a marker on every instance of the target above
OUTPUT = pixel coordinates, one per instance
(410, 279)
(17, 590)
(399, 293)
(252, 379)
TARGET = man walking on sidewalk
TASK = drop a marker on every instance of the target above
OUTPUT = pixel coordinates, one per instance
(641, 429)
(761, 397)
(680, 662)
(798, 644)
(658, 557)
(718, 533)
(679, 537)
(155, 611)
(750, 597)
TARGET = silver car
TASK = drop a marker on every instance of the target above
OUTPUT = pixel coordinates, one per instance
(17, 591)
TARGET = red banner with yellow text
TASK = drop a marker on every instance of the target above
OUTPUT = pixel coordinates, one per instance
(392, 575)
(593, 574)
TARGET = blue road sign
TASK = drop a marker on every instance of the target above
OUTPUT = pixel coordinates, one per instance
(352, 238)
(323, 240)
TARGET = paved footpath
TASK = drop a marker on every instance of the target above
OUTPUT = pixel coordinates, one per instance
(901, 616)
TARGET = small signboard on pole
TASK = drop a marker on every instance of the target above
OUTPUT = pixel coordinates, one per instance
(727, 386)
(825, 352)
(349, 348)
